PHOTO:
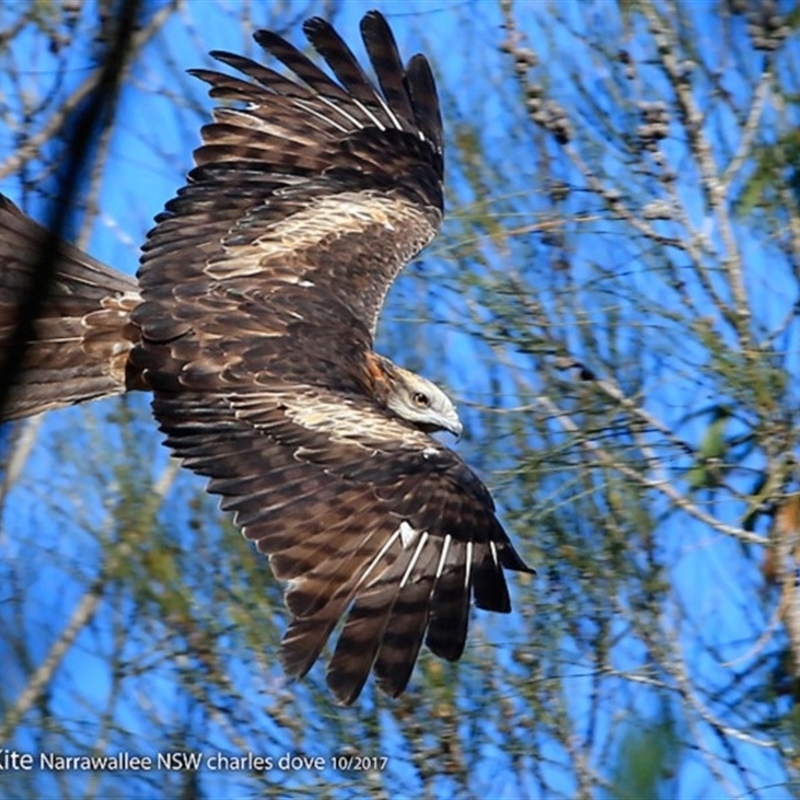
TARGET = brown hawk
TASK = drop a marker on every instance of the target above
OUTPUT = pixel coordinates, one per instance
(252, 324)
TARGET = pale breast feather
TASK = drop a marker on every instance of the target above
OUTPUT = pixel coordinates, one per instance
(342, 418)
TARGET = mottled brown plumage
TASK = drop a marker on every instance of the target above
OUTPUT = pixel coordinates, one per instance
(260, 288)
(83, 332)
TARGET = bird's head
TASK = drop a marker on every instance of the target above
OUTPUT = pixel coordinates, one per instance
(417, 400)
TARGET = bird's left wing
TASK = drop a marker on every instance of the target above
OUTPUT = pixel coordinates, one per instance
(366, 517)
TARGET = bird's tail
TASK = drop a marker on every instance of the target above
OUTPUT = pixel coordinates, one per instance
(82, 332)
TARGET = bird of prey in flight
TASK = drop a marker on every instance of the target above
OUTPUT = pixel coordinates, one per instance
(252, 321)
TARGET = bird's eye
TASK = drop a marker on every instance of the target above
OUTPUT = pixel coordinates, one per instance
(420, 399)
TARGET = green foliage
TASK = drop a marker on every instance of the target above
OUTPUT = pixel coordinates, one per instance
(774, 170)
(646, 761)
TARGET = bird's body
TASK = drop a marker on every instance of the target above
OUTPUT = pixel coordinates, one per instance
(252, 323)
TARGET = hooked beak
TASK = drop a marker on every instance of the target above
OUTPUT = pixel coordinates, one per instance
(454, 426)
(451, 423)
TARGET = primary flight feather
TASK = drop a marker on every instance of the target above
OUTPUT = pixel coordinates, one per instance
(252, 323)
